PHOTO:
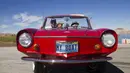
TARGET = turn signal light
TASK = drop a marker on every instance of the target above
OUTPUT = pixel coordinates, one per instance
(97, 47)
(36, 47)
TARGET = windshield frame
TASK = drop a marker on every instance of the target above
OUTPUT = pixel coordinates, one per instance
(87, 19)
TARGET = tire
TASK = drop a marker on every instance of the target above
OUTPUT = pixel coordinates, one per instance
(39, 68)
(98, 67)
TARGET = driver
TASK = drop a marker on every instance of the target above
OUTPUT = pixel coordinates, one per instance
(75, 25)
(53, 23)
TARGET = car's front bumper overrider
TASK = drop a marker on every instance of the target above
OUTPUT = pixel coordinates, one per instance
(66, 61)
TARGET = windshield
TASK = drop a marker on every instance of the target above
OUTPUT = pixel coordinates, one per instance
(66, 22)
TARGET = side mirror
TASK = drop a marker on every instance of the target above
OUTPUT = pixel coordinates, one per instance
(41, 27)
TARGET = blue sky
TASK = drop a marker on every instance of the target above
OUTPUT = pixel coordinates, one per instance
(18, 14)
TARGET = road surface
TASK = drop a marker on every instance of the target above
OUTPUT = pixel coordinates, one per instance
(10, 62)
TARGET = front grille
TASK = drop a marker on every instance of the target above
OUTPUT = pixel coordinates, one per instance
(72, 58)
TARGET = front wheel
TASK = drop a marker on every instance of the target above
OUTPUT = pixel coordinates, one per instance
(39, 68)
(97, 67)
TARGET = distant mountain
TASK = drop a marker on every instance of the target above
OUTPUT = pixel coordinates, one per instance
(7, 34)
(122, 31)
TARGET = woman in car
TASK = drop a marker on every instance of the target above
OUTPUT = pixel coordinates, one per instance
(60, 25)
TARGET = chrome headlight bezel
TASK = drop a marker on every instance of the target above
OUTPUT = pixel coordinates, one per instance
(25, 40)
(108, 40)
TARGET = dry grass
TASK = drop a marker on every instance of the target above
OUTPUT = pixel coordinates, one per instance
(6, 41)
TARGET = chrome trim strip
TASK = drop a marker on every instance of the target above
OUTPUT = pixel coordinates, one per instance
(66, 37)
(66, 61)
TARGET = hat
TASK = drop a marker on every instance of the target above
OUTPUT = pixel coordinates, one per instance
(74, 23)
(53, 21)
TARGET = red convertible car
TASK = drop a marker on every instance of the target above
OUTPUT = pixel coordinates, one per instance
(67, 40)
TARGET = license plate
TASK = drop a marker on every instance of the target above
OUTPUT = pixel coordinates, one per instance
(66, 47)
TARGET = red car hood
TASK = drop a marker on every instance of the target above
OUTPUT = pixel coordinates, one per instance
(70, 32)
(67, 32)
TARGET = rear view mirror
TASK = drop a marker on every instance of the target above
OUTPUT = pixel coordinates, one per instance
(66, 19)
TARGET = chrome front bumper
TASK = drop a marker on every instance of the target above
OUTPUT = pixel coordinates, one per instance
(67, 61)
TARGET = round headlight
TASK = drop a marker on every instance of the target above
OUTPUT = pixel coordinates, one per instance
(25, 40)
(108, 40)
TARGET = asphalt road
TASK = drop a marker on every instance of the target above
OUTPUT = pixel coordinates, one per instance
(10, 62)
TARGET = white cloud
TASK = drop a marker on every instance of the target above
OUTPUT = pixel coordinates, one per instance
(3, 26)
(21, 24)
(40, 23)
(24, 19)
(16, 17)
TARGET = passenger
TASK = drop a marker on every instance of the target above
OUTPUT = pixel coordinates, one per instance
(75, 25)
(53, 23)
(60, 25)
